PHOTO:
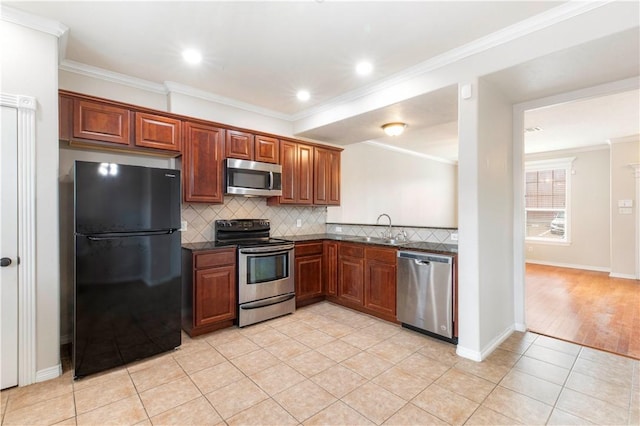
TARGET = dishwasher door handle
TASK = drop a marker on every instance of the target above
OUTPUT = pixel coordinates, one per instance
(421, 262)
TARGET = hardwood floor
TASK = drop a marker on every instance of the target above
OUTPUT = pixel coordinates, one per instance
(584, 307)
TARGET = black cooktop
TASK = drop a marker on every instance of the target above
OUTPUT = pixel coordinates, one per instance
(245, 233)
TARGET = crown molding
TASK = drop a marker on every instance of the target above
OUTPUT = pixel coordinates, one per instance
(115, 77)
(543, 20)
(566, 151)
(410, 152)
(624, 139)
(45, 25)
(212, 97)
(550, 17)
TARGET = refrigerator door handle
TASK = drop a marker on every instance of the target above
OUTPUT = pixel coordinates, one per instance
(113, 236)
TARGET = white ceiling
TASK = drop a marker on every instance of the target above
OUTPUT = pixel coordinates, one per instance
(261, 53)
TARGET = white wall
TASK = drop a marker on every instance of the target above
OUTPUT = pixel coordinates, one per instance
(30, 67)
(589, 215)
(624, 226)
(414, 191)
(485, 287)
(101, 88)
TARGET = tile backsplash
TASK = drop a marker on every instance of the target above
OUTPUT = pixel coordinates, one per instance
(432, 235)
(200, 217)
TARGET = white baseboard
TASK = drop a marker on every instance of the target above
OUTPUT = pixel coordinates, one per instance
(625, 276)
(468, 353)
(49, 373)
(520, 327)
(488, 349)
(570, 265)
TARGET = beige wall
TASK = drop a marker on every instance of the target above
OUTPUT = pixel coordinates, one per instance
(589, 215)
(30, 67)
(414, 191)
(624, 227)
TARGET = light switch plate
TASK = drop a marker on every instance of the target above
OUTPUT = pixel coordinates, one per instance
(299, 223)
(625, 210)
(454, 236)
(183, 225)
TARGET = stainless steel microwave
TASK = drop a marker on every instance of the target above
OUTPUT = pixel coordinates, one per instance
(252, 178)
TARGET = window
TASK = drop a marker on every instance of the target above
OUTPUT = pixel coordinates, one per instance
(547, 185)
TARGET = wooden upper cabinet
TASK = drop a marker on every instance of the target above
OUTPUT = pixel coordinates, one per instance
(99, 121)
(326, 177)
(239, 145)
(157, 131)
(297, 174)
(267, 149)
(305, 174)
(202, 164)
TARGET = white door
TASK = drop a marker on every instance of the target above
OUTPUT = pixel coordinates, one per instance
(9, 247)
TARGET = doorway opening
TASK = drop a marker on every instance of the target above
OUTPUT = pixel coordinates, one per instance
(573, 280)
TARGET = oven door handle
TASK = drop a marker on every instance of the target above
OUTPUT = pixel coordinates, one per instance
(269, 302)
(268, 249)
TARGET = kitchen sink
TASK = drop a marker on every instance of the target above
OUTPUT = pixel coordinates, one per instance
(375, 240)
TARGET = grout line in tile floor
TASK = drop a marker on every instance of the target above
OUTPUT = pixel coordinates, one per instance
(326, 364)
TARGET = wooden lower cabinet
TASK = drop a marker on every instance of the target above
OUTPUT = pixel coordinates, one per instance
(330, 259)
(380, 275)
(351, 273)
(208, 290)
(309, 272)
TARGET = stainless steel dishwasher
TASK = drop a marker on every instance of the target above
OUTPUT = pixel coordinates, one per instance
(425, 293)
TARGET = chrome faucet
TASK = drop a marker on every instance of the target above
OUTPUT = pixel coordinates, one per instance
(389, 233)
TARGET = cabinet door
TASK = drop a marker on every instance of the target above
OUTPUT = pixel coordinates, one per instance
(326, 177)
(202, 179)
(380, 287)
(331, 268)
(101, 122)
(157, 131)
(333, 179)
(215, 295)
(288, 160)
(239, 145)
(304, 193)
(308, 277)
(351, 279)
(267, 149)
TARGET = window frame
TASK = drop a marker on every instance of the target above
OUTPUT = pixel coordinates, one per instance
(566, 164)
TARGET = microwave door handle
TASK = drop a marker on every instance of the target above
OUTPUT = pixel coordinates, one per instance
(270, 180)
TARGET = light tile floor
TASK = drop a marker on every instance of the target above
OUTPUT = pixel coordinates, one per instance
(329, 365)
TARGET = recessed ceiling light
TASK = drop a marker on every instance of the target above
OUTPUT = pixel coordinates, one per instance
(364, 68)
(192, 56)
(303, 95)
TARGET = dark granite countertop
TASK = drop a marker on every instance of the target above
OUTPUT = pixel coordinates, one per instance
(409, 245)
(206, 245)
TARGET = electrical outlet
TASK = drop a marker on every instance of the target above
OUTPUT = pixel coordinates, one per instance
(183, 225)
(454, 236)
(338, 228)
(299, 223)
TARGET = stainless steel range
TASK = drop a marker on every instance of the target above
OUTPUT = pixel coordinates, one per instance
(265, 269)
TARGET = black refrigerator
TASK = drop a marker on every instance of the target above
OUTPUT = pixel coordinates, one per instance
(127, 286)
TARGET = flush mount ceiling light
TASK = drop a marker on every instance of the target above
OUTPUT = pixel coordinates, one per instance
(394, 129)
(192, 56)
(303, 95)
(364, 68)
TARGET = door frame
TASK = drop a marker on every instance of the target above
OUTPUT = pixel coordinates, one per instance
(26, 108)
(519, 301)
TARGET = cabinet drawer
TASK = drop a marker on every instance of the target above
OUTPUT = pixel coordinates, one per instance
(351, 250)
(381, 255)
(215, 258)
(308, 249)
